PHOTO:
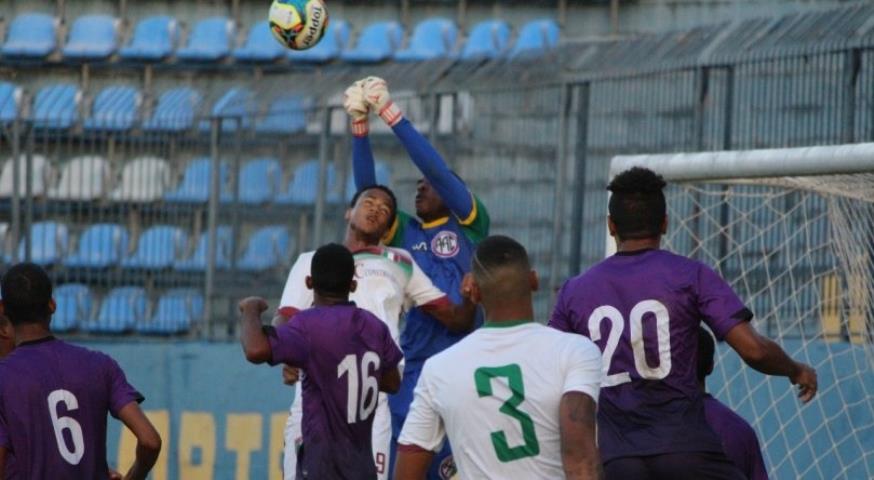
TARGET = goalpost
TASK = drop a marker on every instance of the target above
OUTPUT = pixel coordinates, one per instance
(792, 230)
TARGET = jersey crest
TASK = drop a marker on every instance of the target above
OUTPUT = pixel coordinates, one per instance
(445, 244)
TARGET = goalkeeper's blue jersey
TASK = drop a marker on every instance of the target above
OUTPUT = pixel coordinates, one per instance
(443, 249)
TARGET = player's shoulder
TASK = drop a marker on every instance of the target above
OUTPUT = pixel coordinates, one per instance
(568, 342)
(305, 257)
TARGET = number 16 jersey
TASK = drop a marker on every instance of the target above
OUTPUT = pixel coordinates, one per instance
(643, 309)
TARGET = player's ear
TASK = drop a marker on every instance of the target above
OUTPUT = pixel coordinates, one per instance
(52, 306)
(664, 226)
(611, 226)
(309, 282)
(534, 281)
(353, 286)
(2, 308)
(348, 215)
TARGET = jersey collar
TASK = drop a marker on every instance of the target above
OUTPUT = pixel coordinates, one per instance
(435, 223)
(507, 324)
(37, 341)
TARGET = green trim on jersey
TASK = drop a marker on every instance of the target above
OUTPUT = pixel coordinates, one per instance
(507, 324)
(405, 264)
(475, 231)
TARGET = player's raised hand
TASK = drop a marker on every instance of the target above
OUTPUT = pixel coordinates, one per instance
(806, 381)
(378, 97)
(357, 108)
(255, 305)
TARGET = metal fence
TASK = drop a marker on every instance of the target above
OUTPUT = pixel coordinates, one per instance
(157, 196)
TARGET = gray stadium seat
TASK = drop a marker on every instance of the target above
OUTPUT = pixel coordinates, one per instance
(144, 179)
(83, 178)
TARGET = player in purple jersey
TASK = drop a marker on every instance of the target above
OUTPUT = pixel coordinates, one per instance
(738, 437)
(54, 396)
(348, 355)
(643, 307)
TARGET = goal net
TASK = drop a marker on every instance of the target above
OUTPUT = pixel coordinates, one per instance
(792, 230)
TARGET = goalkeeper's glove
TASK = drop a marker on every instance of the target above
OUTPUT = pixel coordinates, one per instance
(357, 108)
(377, 96)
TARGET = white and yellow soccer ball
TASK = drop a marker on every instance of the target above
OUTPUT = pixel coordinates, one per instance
(298, 24)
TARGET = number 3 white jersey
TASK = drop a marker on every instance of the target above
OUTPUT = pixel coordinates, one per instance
(496, 394)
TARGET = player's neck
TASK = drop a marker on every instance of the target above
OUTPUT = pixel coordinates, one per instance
(321, 300)
(509, 311)
(356, 240)
(635, 244)
(29, 332)
(433, 216)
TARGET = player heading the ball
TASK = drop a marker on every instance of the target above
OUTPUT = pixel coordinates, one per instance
(643, 307)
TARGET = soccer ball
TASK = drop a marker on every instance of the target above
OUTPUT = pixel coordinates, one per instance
(298, 24)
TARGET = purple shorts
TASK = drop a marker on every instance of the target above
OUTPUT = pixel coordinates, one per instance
(671, 466)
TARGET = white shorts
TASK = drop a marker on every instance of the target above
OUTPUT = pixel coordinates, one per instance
(381, 438)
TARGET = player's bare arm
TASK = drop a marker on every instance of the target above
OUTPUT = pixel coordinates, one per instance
(413, 462)
(762, 354)
(390, 382)
(456, 318)
(148, 440)
(579, 452)
(256, 347)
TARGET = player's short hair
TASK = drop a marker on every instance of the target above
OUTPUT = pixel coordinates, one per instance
(706, 352)
(637, 205)
(388, 191)
(332, 270)
(27, 293)
(497, 252)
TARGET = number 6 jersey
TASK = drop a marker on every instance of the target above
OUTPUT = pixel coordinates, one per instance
(54, 398)
(496, 395)
(643, 310)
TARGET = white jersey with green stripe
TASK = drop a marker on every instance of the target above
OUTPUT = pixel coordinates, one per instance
(389, 283)
(496, 395)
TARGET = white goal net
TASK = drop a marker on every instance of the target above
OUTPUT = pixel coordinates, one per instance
(792, 230)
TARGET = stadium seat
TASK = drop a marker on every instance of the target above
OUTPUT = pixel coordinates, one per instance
(157, 248)
(303, 188)
(209, 41)
(56, 106)
(335, 41)
(83, 178)
(177, 309)
(260, 45)
(383, 177)
(154, 40)
(74, 307)
(432, 38)
(101, 245)
(144, 179)
(92, 37)
(269, 247)
(285, 115)
(41, 174)
(197, 261)
(114, 108)
(377, 43)
(260, 180)
(30, 36)
(487, 40)
(237, 107)
(175, 110)
(121, 309)
(10, 102)
(195, 185)
(48, 243)
(535, 38)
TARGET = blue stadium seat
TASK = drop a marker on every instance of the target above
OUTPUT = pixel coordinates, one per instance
(10, 102)
(303, 188)
(154, 39)
(101, 245)
(237, 106)
(535, 38)
(74, 307)
(383, 177)
(194, 187)
(260, 45)
(177, 309)
(224, 250)
(48, 243)
(377, 43)
(121, 309)
(210, 40)
(56, 106)
(487, 40)
(157, 248)
(114, 108)
(335, 41)
(285, 115)
(31, 36)
(432, 38)
(92, 37)
(269, 247)
(175, 110)
(260, 180)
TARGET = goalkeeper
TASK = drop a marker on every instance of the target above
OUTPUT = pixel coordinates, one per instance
(451, 221)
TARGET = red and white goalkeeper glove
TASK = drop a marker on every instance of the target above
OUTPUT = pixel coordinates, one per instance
(357, 108)
(377, 96)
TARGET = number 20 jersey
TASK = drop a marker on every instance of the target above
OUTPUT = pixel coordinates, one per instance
(54, 398)
(643, 309)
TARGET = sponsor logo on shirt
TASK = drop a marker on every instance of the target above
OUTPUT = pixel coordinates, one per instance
(420, 247)
(445, 244)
